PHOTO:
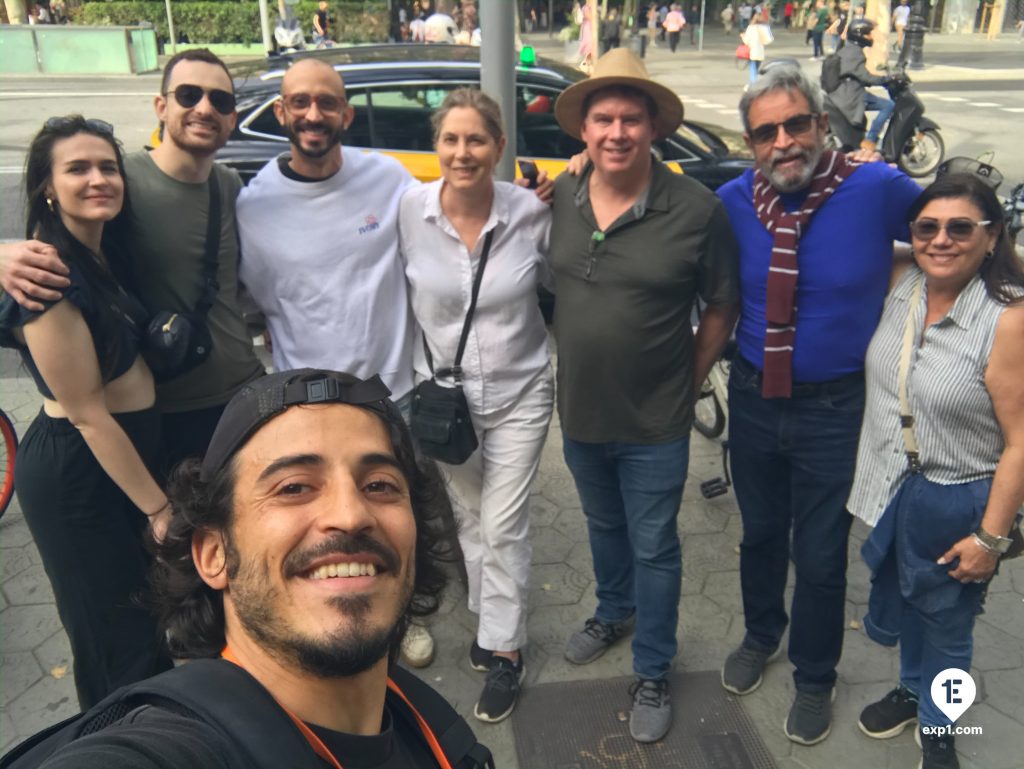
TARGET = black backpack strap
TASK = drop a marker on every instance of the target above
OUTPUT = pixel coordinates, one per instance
(453, 734)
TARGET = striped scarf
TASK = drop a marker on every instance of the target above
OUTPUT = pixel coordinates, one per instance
(787, 228)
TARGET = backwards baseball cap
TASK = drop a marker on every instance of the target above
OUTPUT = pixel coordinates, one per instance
(263, 399)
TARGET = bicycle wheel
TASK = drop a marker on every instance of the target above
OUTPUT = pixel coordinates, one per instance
(8, 448)
(708, 416)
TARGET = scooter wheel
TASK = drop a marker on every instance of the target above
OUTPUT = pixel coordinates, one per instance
(922, 153)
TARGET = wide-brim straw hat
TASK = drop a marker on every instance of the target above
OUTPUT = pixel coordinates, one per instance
(619, 67)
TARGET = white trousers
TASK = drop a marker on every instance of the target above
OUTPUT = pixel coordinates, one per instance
(490, 494)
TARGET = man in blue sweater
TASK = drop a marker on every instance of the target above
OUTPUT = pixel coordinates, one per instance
(816, 236)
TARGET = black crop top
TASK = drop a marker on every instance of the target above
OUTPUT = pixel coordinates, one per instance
(115, 356)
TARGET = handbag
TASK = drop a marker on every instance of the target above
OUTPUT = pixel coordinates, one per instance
(176, 342)
(910, 445)
(743, 51)
(440, 419)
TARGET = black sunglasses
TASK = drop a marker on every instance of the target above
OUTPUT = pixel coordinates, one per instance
(797, 125)
(960, 229)
(64, 123)
(189, 96)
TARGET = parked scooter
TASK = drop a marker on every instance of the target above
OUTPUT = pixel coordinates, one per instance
(911, 140)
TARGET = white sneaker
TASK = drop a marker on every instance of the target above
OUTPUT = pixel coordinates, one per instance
(417, 647)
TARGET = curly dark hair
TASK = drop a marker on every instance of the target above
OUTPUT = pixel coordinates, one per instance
(1001, 270)
(192, 612)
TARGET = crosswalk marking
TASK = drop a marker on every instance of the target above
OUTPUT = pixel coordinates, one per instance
(985, 104)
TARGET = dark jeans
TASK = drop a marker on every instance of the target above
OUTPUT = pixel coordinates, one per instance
(631, 495)
(816, 37)
(188, 433)
(792, 464)
(673, 40)
(89, 536)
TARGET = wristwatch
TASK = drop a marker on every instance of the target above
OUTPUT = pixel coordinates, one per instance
(991, 542)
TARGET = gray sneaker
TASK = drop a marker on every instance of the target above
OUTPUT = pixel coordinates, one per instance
(810, 718)
(651, 715)
(590, 643)
(744, 669)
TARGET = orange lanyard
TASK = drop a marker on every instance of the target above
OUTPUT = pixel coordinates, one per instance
(322, 750)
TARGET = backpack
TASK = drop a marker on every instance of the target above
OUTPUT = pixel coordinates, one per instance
(830, 73)
(258, 732)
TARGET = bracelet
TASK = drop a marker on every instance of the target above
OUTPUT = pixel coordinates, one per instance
(985, 546)
(164, 506)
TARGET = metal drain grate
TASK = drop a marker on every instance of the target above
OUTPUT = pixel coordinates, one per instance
(585, 725)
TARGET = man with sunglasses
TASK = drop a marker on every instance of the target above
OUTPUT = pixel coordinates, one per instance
(170, 206)
(816, 234)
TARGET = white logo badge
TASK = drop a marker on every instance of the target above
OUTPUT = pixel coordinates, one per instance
(953, 691)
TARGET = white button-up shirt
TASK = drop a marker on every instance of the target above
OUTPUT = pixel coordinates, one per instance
(507, 344)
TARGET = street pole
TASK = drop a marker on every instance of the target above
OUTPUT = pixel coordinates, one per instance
(914, 36)
(265, 27)
(498, 71)
(17, 11)
(551, 19)
(700, 35)
(170, 28)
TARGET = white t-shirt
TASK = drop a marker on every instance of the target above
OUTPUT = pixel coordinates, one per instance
(901, 15)
(440, 28)
(321, 261)
(507, 347)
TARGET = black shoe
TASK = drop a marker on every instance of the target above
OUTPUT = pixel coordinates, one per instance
(890, 715)
(810, 718)
(938, 752)
(593, 640)
(501, 690)
(743, 670)
(480, 658)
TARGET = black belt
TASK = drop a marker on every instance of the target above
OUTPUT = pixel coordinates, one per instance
(803, 389)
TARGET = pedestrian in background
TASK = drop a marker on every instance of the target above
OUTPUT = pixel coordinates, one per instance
(611, 31)
(674, 23)
(757, 36)
(727, 16)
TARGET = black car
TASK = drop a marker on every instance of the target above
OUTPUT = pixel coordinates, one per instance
(395, 88)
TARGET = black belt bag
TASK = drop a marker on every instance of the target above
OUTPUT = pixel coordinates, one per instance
(441, 422)
(177, 342)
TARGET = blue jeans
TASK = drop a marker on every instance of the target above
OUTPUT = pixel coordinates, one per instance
(631, 495)
(884, 107)
(930, 642)
(755, 67)
(792, 465)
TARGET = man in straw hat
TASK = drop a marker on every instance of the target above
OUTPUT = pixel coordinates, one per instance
(632, 245)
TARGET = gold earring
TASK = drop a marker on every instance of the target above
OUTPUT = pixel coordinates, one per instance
(49, 204)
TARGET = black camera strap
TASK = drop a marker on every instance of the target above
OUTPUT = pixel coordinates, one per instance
(210, 250)
(456, 369)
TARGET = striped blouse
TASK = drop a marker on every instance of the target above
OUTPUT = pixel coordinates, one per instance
(954, 420)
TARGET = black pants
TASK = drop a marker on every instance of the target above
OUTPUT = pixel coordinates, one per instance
(188, 433)
(90, 538)
(673, 40)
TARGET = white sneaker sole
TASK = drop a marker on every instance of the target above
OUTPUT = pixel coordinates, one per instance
(890, 733)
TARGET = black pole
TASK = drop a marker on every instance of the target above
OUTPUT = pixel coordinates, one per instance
(913, 38)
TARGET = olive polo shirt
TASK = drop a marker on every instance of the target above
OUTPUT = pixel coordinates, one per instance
(624, 299)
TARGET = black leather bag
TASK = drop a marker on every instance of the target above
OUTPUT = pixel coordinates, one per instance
(440, 421)
(177, 342)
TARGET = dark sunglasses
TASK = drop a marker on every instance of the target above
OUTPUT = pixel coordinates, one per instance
(959, 230)
(64, 123)
(797, 125)
(297, 103)
(189, 96)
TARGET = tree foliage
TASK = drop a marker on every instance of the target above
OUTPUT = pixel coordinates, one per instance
(234, 21)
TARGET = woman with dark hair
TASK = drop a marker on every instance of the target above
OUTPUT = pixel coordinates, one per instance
(85, 470)
(940, 465)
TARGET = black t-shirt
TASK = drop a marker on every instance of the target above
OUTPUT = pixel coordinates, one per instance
(324, 20)
(155, 738)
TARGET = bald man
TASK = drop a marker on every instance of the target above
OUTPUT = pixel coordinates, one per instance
(319, 234)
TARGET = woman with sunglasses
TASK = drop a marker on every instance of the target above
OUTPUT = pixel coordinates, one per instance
(84, 474)
(449, 230)
(941, 492)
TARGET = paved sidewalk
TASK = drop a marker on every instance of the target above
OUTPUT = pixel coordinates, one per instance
(36, 688)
